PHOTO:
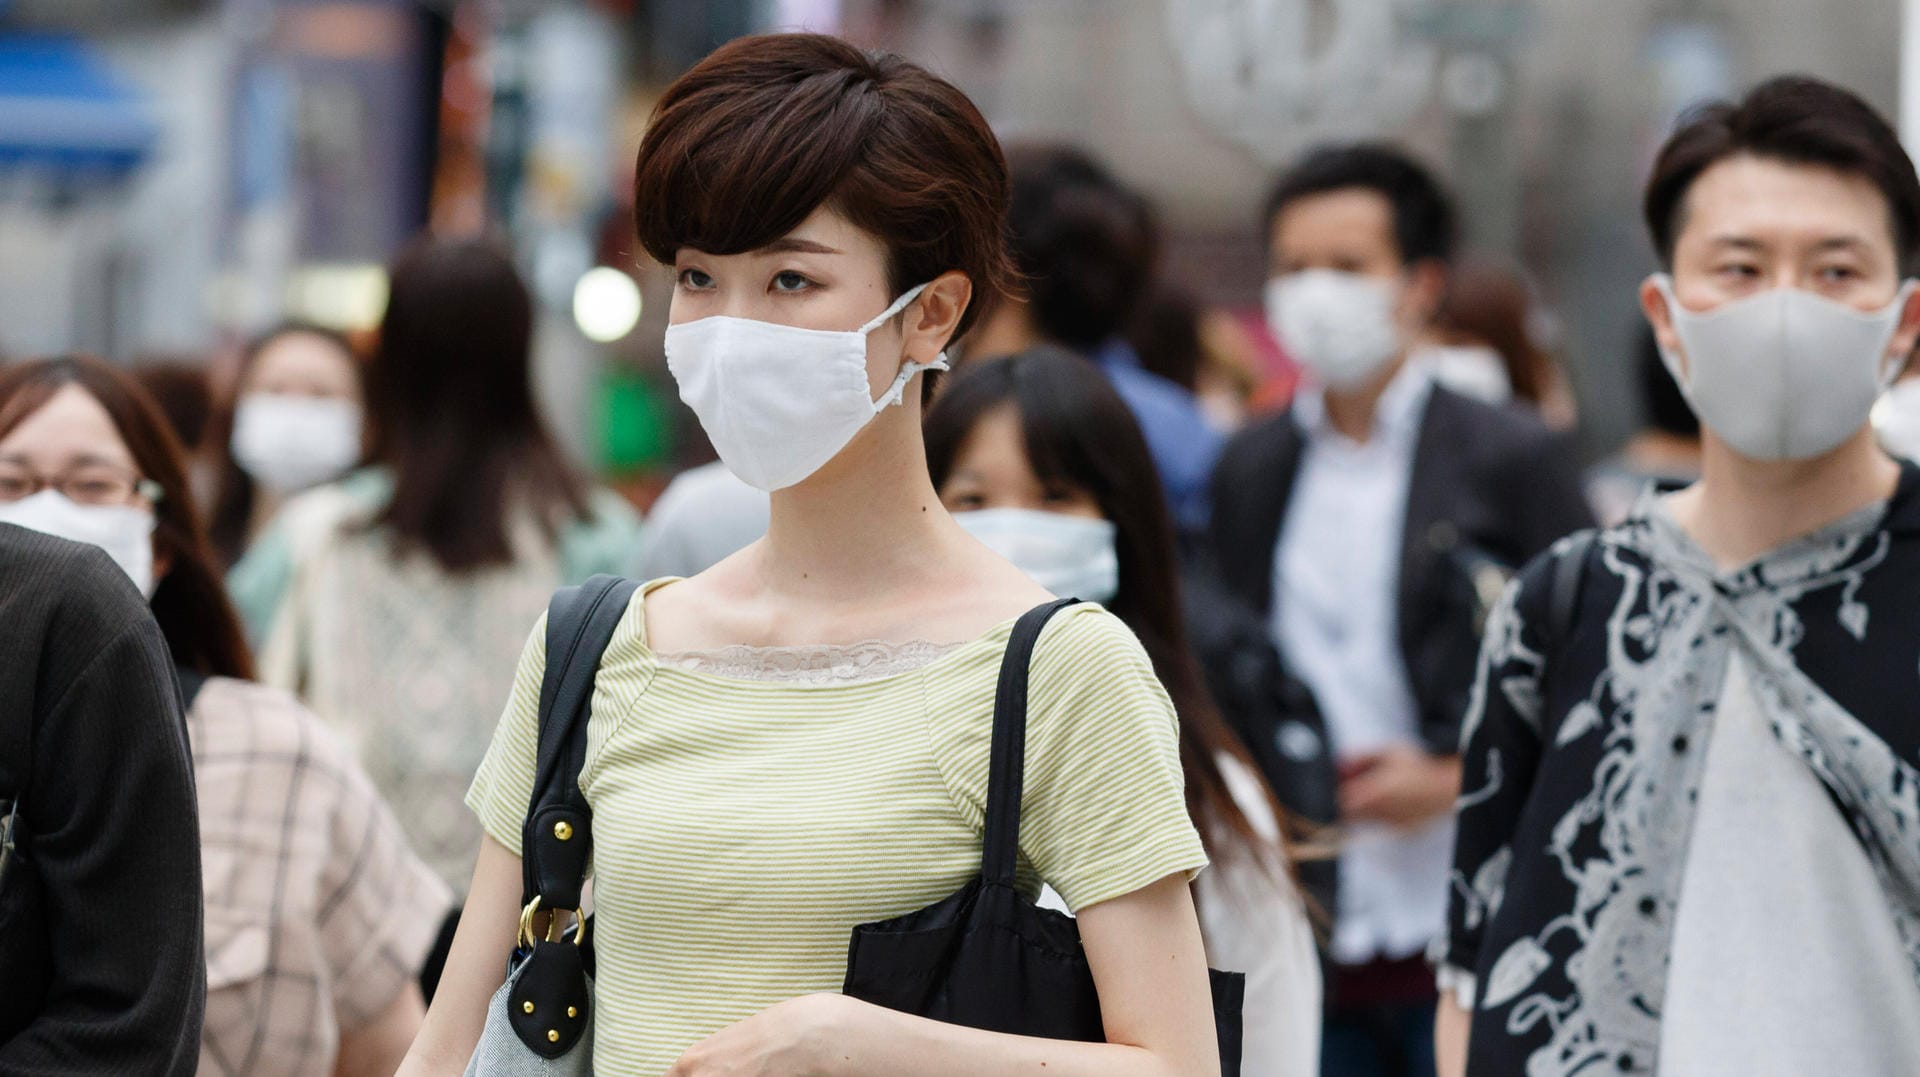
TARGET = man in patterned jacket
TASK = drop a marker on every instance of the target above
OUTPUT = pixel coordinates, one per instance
(1689, 837)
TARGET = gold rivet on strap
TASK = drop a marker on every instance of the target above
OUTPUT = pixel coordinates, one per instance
(573, 1011)
(563, 830)
(553, 1035)
(527, 1006)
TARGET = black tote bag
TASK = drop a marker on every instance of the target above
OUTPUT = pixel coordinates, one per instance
(987, 957)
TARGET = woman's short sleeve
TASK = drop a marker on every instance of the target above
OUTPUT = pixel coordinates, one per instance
(504, 783)
(1104, 809)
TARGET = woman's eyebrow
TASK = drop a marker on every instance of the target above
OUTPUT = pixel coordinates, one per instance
(793, 245)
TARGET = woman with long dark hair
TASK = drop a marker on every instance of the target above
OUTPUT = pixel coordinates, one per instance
(399, 596)
(1038, 457)
(308, 969)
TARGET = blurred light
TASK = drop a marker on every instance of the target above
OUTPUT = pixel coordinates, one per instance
(344, 297)
(606, 304)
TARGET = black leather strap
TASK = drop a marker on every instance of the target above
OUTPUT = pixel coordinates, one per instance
(1006, 771)
(557, 838)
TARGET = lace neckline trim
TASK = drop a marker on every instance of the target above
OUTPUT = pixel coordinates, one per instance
(851, 663)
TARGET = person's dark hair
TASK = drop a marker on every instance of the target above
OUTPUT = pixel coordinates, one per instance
(233, 497)
(201, 628)
(1665, 406)
(1797, 120)
(1491, 304)
(766, 129)
(1166, 334)
(1085, 245)
(184, 392)
(452, 413)
(1079, 433)
(1424, 221)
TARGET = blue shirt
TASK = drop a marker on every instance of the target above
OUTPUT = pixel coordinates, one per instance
(1183, 445)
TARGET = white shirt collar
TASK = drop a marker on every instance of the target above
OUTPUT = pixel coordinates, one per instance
(1396, 417)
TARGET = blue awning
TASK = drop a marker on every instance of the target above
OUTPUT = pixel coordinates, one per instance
(62, 109)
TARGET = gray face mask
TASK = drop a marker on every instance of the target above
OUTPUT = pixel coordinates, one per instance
(1071, 556)
(1785, 374)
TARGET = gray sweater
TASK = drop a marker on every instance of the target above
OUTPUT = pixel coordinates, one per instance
(102, 968)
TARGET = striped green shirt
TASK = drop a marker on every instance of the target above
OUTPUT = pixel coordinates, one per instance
(742, 828)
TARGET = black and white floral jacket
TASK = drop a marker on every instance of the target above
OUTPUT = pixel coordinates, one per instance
(1584, 746)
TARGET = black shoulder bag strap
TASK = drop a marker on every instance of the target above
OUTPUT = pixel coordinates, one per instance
(558, 835)
(1007, 763)
(1563, 604)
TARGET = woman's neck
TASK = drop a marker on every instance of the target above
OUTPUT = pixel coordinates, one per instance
(868, 521)
(1741, 509)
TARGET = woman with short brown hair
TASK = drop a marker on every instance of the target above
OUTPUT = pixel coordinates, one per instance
(795, 741)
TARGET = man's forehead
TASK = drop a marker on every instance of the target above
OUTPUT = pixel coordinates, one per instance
(1753, 199)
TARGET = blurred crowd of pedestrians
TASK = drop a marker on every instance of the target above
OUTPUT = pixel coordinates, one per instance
(1607, 768)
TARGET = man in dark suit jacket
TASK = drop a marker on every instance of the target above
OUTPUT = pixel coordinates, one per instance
(1372, 524)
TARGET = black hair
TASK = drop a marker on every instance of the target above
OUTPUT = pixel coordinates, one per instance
(1424, 222)
(1167, 335)
(1795, 119)
(1084, 245)
(1079, 433)
(1665, 405)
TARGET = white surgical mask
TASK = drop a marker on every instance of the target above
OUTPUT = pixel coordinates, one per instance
(124, 531)
(1785, 374)
(1071, 556)
(778, 401)
(1469, 369)
(1339, 326)
(289, 443)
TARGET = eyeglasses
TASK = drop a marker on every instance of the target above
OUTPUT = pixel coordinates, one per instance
(87, 484)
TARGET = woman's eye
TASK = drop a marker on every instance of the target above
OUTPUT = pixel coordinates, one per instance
(789, 281)
(1741, 272)
(1838, 274)
(1060, 496)
(694, 278)
(965, 502)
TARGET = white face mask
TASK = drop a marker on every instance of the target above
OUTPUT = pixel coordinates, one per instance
(1785, 374)
(289, 443)
(1896, 418)
(1469, 369)
(124, 531)
(1071, 556)
(779, 401)
(1338, 325)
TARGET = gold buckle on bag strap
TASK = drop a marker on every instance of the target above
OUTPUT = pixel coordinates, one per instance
(556, 928)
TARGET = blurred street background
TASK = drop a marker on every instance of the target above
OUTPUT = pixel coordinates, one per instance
(178, 174)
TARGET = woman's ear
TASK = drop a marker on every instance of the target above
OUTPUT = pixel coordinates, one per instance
(939, 309)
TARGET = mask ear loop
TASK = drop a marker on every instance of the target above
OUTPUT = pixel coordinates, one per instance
(1897, 368)
(897, 392)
